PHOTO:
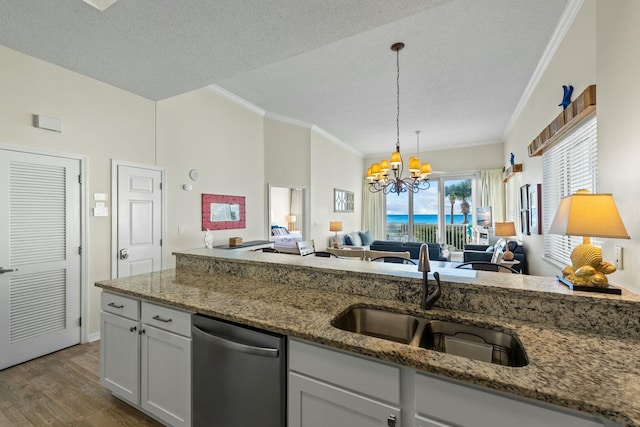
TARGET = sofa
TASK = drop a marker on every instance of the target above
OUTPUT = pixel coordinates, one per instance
(354, 240)
(485, 253)
(435, 249)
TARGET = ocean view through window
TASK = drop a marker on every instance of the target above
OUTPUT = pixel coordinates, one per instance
(441, 214)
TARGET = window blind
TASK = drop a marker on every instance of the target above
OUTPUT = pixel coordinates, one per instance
(570, 165)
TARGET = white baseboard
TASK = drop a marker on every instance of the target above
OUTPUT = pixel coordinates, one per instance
(93, 337)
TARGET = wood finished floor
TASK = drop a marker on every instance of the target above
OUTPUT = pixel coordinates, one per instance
(63, 389)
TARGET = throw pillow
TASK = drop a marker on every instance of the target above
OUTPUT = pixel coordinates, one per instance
(489, 249)
(355, 239)
(366, 237)
(347, 240)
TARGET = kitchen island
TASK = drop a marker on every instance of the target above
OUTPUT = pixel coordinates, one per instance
(581, 348)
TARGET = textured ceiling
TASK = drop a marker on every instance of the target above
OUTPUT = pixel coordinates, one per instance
(465, 66)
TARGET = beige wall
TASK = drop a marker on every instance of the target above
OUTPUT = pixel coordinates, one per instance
(333, 166)
(100, 122)
(286, 163)
(573, 63)
(224, 142)
(618, 68)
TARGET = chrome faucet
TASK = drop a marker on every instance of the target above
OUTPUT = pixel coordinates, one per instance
(424, 266)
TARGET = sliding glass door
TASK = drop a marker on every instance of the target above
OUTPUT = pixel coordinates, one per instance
(441, 214)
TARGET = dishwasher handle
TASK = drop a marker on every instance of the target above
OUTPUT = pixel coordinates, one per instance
(236, 346)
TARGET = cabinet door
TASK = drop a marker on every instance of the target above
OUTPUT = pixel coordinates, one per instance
(120, 356)
(313, 403)
(166, 375)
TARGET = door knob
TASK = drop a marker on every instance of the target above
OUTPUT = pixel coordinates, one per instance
(124, 253)
(7, 270)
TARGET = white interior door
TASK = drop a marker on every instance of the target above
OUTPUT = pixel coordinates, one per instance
(40, 229)
(139, 220)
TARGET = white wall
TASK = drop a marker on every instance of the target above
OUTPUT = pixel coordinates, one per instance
(333, 166)
(618, 92)
(573, 63)
(472, 158)
(101, 122)
(224, 142)
(286, 162)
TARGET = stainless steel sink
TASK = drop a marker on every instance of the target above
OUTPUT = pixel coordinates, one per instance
(474, 342)
(378, 323)
(471, 341)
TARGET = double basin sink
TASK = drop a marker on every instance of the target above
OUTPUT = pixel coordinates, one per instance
(471, 341)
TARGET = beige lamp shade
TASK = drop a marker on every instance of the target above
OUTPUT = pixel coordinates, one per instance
(588, 215)
(290, 218)
(505, 229)
(335, 226)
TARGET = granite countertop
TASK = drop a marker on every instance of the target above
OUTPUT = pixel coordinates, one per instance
(595, 373)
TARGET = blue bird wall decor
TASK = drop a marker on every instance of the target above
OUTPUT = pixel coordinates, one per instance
(566, 98)
(512, 159)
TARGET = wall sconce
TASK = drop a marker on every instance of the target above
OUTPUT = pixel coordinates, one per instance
(588, 215)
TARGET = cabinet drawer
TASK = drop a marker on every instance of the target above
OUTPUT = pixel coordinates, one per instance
(440, 400)
(169, 319)
(358, 374)
(120, 305)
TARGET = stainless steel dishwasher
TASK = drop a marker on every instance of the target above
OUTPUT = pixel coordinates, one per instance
(238, 375)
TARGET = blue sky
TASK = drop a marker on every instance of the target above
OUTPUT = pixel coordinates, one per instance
(424, 202)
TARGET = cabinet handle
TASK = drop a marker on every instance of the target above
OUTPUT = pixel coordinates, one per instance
(142, 332)
(133, 328)
(160, 319)
(114, 305)
(391, 421)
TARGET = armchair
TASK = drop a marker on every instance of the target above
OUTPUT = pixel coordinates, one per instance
(485, 253)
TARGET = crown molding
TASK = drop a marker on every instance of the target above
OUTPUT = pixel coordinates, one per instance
(564, 23)
(335, 140)
(229, 96)
(278, 117)
(288, 120)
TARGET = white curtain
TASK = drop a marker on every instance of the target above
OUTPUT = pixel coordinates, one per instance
(373, 212)
(297, 198)
(493, 193)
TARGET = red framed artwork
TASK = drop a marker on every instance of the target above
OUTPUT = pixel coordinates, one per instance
(220, 212)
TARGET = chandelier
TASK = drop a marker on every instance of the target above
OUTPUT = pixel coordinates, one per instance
(387, 176)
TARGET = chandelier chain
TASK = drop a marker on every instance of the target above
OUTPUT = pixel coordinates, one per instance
(398, 99)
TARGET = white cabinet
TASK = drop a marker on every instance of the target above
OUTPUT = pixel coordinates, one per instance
(332, 388)
(145, 356)
(120, 356)
(120, 346)
(442, 402)
(329, 387)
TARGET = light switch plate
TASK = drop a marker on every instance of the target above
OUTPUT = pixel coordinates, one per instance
(618, 257)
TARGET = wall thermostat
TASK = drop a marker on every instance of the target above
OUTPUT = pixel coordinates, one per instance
(194, 174)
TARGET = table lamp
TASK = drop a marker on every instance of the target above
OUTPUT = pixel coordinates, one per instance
(506, 230)
(588, 215)
(291, 219)
(335, 226)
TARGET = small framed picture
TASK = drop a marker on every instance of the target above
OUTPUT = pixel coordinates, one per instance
(535, 211)
(343, 200)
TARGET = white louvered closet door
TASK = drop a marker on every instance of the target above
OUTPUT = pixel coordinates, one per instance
(40, 229)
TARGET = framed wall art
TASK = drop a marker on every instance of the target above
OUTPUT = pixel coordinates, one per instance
(343, 200)
(535, 211)
(524, 209)
(220, 212)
